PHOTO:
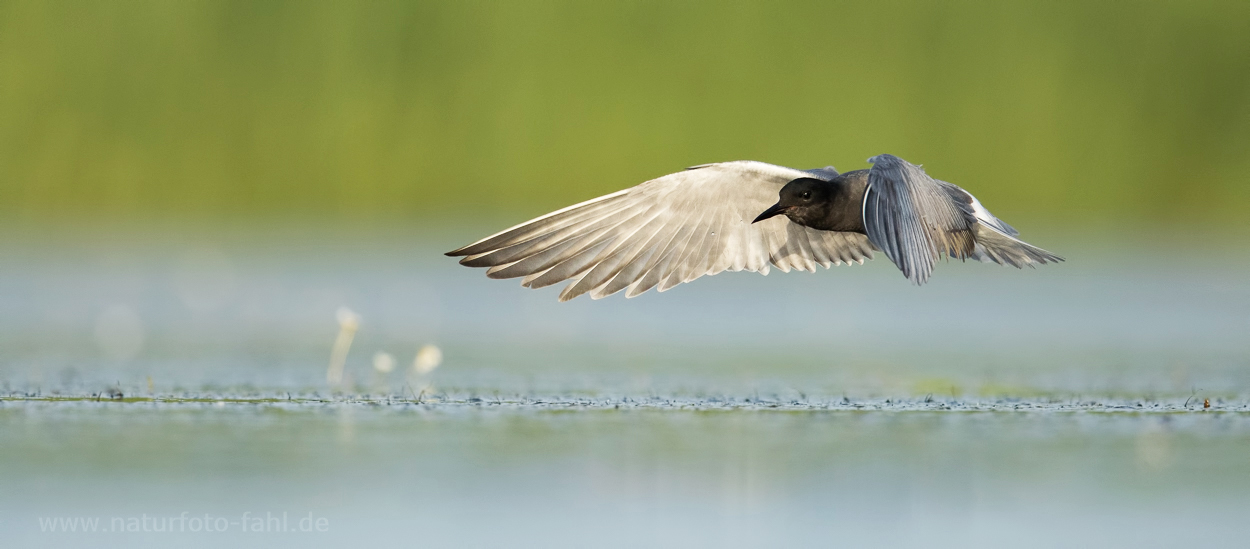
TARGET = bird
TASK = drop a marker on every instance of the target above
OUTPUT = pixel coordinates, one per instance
(749, 215)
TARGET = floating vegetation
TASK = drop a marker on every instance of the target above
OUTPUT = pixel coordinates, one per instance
(463, 400)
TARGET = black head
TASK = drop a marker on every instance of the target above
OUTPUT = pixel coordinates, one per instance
(802, 200)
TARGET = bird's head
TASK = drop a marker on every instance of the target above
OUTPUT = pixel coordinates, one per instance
(802, 200)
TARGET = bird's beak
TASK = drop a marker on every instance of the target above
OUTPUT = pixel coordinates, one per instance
(776, 209)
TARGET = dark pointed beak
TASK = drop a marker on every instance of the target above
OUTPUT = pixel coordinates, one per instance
(775, 210)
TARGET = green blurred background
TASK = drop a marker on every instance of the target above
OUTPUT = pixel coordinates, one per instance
(1058, 113)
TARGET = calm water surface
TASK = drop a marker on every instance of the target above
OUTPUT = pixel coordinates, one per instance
(220, 318)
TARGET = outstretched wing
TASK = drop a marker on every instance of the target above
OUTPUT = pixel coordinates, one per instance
(916, 219)
(664, 232)
(996, 241)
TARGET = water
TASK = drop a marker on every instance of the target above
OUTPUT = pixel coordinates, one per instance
(148, 377)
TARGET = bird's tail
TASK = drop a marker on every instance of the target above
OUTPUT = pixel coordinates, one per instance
(994, 246)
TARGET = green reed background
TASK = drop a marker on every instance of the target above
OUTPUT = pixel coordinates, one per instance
(1075, 111)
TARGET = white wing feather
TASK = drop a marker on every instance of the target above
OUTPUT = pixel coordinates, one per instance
(664, 232)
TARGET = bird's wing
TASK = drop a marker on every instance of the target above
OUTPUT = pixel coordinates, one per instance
(826, 173)
(996, 241)
(664, 232)
(916, 219)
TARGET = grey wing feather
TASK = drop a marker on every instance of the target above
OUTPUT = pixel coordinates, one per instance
(916, 219)
(664, 232)
(826, 173)
(972, 207)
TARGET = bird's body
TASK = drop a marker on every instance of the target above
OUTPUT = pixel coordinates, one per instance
(748, 215)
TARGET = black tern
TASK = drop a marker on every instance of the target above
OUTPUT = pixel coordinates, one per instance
(747, 215)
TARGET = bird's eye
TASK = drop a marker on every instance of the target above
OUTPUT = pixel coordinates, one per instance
(807, 195)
